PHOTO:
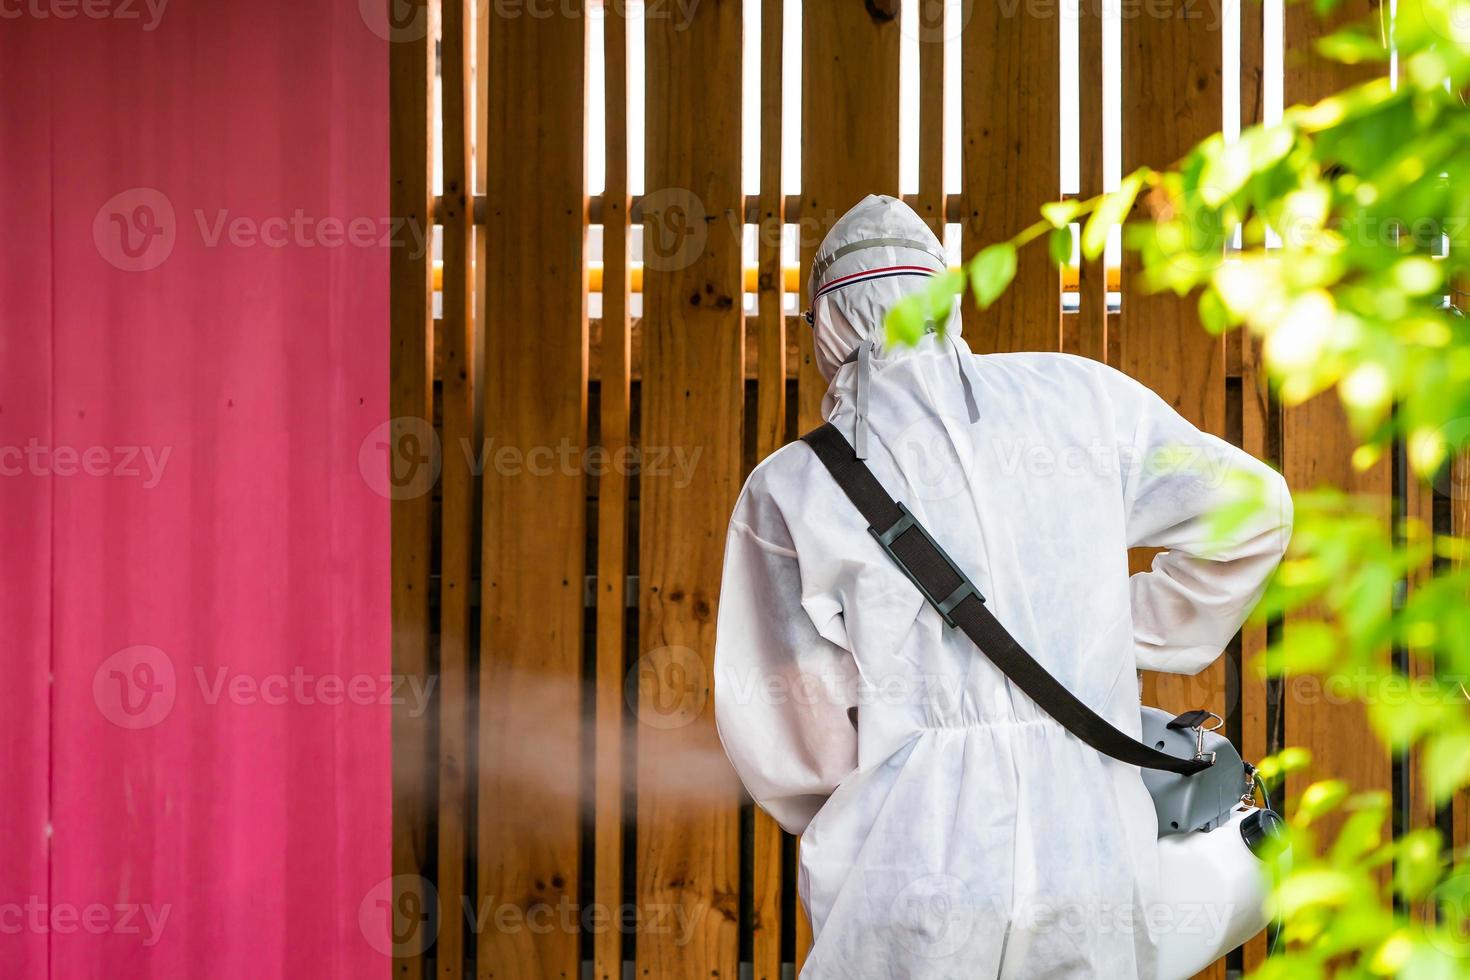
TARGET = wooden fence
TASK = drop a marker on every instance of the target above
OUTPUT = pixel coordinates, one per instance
(566, 802)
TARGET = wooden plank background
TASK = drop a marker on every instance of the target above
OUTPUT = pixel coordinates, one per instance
(458, 505)
(411, 70)
(568, 798)
(692, 400)
(1012, 162)
(1316, 449)
(534, 558)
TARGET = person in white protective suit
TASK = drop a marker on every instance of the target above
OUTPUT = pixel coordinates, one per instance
(949, 827)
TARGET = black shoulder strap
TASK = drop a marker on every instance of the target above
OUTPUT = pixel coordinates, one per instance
(950, 592)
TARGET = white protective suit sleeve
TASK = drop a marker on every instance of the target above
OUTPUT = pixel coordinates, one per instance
(1199, 591)
(782, 691)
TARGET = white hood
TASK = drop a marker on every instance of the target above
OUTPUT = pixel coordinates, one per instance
(883, 251)
(876, 254)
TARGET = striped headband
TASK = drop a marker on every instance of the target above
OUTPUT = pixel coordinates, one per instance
(869, 275)
(822, 263)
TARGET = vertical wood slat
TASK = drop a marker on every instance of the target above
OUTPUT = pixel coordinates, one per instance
(1012, 163)
(692, 399)
(932, 24)
(1460, 527)
(1256, 436)
(1255, 721)
(1317, 448)
(1172, 71)
(1172, 68)
(849, 65)
(850, 76)
(770, 317)
(766, 838)
(457, 483)
(411, 162)
(535, 513)
(609, 733)
(1087, 333)
(1421, 812)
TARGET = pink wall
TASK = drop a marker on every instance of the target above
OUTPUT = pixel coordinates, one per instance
(207, 578)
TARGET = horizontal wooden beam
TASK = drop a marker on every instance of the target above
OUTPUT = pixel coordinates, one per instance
(794, 326)
(593, 214)
(790, 278)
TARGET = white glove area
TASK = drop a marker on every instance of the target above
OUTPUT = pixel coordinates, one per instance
(955, 830)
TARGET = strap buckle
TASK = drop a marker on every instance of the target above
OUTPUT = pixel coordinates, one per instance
(945, 606)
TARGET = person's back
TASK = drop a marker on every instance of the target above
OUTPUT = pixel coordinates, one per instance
(949, 826)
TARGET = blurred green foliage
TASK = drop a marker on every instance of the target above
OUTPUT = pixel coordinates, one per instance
(1341, 237)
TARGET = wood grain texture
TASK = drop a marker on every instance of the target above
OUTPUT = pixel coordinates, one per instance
(849, 137)
(770, 324)
(1317, 449)
(410, 68)
(692, 400)
(535, 498)
(1010, 104)
(1086, 332)
(1419, 807)
(609, 733)
(1171, 100)
(1257, 438)
(1460, 527)
(932, 25)
(770, 421)
(1171, 71)
(457, 485)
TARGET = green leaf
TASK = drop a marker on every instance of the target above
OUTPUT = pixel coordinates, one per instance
(1306, 646)
(1417, 870)
(910, 318)
(904, 324)
(1060, 213)
(1362, 832)
(1447, 763)
(1320, 798)
(1110, 213)
(1304, 889)
(1059, 243)
(1212, 312)
(991, 272)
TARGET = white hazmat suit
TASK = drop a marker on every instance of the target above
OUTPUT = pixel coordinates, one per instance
(950, 828)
